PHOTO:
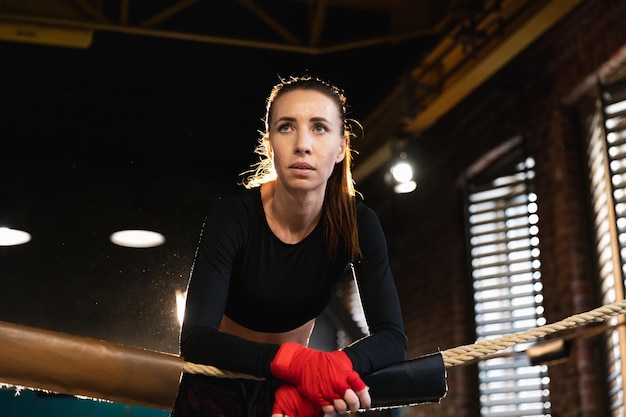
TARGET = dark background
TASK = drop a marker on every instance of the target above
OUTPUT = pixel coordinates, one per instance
(135, 131)
(160, 113)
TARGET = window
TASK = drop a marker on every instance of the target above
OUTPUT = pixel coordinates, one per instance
(502, 225)
(606, 152)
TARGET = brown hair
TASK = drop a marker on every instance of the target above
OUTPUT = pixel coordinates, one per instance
(339, 210)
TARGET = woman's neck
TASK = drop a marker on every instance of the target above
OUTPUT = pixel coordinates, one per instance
(291, 216)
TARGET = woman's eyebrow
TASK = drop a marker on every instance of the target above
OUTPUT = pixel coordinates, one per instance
(285, 118)
(293, 119)
(320, 119)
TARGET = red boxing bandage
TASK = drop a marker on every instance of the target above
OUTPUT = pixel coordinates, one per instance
(321, 376)
(289, 402)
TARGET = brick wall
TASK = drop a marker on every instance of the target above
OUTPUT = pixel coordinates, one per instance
(425, 229)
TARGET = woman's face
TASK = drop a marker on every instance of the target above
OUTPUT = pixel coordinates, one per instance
(306, 139)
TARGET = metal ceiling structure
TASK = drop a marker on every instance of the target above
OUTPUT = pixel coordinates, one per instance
(461, 43)
(303, 26)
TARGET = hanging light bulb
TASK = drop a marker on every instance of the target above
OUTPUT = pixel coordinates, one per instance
(402, 173)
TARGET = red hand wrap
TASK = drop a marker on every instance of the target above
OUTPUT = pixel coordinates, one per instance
(289, 402)
(321, 376)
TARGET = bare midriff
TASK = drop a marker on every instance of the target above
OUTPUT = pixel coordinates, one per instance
(300, 334)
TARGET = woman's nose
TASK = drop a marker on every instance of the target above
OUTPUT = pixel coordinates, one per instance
(303, 143)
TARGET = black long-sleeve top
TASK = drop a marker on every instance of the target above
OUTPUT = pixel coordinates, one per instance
(242, 270)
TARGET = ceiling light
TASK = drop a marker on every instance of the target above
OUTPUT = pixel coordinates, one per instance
(137, 238)
(13, 237)
(402, 175)
(402, 171)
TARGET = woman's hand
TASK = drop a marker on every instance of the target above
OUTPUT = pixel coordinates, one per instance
(352, 401)
(288, 402)
(324, 378)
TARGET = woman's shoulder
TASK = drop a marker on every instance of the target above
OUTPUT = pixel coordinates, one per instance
(367, 219)
(243, 198)
(239, 203)
(233, 214)
(363, 210)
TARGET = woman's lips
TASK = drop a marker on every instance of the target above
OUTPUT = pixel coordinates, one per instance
(301, 165)
(301, 169)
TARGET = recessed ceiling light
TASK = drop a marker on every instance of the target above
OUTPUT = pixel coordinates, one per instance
(12, 237)
(137, 238)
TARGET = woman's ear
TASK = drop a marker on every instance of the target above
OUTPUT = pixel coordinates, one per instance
(342, 151)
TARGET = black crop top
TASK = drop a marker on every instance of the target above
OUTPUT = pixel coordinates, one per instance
(242, 270)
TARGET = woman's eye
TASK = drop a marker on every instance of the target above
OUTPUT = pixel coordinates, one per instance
(319, 129)
(284, 128)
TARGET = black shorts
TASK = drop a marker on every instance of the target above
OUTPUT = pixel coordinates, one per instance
(204, 396)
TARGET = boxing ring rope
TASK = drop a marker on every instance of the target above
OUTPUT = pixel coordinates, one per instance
(67, 364)
(469, 353)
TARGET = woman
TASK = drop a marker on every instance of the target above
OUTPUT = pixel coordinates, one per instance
(265, 269)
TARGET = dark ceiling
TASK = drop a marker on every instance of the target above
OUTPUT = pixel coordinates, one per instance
(156, 114)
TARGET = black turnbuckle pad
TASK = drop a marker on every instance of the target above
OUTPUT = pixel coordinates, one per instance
(414, 381)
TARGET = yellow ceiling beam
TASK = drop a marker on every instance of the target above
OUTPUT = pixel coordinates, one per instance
(508, 49)
(477, 72)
